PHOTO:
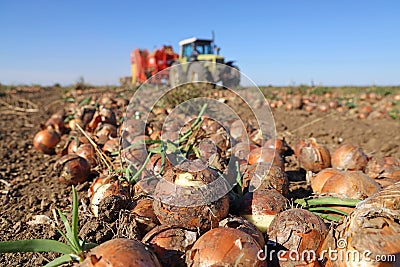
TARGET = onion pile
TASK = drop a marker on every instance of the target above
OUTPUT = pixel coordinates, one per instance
(92, 136)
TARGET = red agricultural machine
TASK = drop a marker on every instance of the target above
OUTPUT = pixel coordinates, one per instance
(197, 57)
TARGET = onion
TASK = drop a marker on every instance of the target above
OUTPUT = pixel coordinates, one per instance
(263, 154)
(111, 146)
(121, 252)
(373, 227)
(261, 206)
(386, 167)
(297, 230)
(73, 169)
(238, 130)
(106, 131)
(351, 184)
(242, 150)
(224, 247)
(313, 156)
(144, 214)
(155, 164)
(72, 146)
(318, 181)
(279, 145)
(108, 116)
(108, 197)
(46, 140)
(87, 152)
(244, 225)
(265, 176)
(170, 243)
(349, 157)
(190, 215)
(56, 122)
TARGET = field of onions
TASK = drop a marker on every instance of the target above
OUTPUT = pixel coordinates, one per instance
(90, 177)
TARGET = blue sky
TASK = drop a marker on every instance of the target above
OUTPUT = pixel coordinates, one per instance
(286, 42)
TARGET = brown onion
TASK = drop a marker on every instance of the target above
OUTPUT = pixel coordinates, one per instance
(297, 230)
(111, 146)
(263, 175)
(261, 206)
(46, 140)
(224, 247)
(87, 152)
(238, 130)
(386, 167)
(371, 230)
(242, 150)
(263, 154)
(144, 214)
(349, 157)
(279, 145)
(170, 243)
(121, 252)
(244, 225)
(313, 156)
(73, 169)
(318, 181)
(189, 214)
(351, 184)
(101, 191)
(56, 122)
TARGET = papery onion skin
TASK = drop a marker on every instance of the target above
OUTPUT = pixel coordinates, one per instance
(349, 157)
(121, 252)
(225, 247)
(351, 184)
(46, 140)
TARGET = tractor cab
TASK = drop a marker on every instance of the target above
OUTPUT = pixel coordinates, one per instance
(194, 49)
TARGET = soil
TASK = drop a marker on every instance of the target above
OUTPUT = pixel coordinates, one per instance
(29, 187)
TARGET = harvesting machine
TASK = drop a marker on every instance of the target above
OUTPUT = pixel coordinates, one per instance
(196, 61)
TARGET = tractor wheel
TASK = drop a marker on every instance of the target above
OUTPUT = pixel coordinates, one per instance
(233, 77)
(197, 73)
(176, 75)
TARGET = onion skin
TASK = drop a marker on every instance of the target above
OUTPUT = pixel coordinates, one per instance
(373, 226)
(170, 244)
(121, 252)
(387, 167)
(297, 230)
(224, 247)
(242, 150)
(261, 206)
(313, 156)
(46, 140)
(318, 181)
(355, 184)
(280, 146)
(349, 157)
(103, 188)
(263, 154)
(73, 169)
(190, 216)
(272, 177)
(56, 122)
(244, 225)
(144, 215)
(87, 152)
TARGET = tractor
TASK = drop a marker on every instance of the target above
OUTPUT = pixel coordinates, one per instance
(197, 61)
